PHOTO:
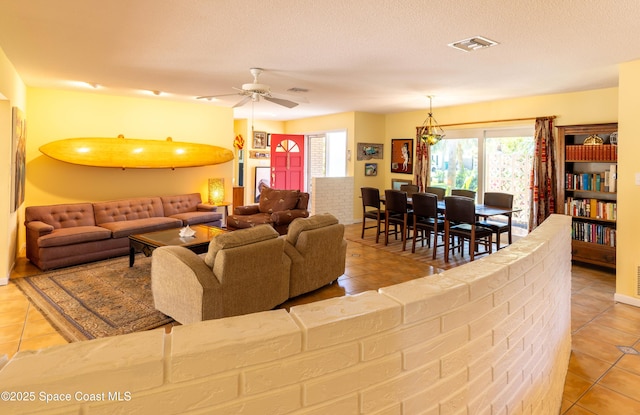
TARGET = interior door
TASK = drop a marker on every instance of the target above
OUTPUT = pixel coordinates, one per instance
(287, 161)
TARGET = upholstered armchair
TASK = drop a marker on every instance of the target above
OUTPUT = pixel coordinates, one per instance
(277, 208)
(243, 272)
(317, 250)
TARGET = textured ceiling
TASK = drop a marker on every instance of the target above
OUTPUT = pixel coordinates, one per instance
(356, 55)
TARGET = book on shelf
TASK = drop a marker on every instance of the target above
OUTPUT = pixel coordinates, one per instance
(599, 182)
(581, 152)
(613, 177)
(591, 208)
(594, 233)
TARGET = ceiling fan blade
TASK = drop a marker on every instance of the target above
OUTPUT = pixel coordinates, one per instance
(290, 97)
(216, 96)
(283, 102)
(242, 101)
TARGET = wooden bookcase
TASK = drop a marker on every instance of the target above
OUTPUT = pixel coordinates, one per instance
(587, 183)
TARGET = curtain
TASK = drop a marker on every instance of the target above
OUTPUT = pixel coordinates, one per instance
(543, 174)
(422, 167)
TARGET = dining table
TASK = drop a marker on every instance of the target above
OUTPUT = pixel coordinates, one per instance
(482, 210)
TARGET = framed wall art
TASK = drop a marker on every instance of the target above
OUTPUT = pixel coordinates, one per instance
(402, 155)
(396, 183)
(262, 180)
(18, 158)
(259, 139)
(371, 169)
(368, 151)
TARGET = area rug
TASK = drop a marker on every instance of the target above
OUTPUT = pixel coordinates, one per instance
(100, 299)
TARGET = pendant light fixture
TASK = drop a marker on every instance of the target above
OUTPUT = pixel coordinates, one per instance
(430, 132)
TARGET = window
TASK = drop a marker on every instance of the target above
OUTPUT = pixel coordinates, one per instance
(491, 160)
(327, 155)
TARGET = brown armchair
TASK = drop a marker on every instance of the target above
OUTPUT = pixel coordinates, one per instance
(318, 251)
(276, 207)
(243, 272)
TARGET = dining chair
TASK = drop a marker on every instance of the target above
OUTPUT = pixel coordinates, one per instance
(397, 212)
(426, 221)
(438, 191)
(460, 221)
(504, 200)
(410, 189)
(463, 192)
(371, 209)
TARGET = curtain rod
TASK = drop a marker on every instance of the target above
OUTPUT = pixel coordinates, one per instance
(494, 121)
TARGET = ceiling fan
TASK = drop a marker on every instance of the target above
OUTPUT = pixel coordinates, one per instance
(254, 91)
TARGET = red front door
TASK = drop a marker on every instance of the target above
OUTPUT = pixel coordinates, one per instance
(287, 161)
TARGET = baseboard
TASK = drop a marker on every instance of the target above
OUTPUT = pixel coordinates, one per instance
(625, 299)
(4, 281)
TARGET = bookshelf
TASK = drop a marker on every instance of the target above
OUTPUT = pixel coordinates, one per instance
(586, 183)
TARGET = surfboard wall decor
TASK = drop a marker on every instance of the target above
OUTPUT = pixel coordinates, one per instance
(128, 153)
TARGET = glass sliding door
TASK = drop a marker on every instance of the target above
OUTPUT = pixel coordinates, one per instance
(508, 168)
(487, 160)
(454, 164)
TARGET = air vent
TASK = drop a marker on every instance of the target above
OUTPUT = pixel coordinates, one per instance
(473, 44)
(296, 89)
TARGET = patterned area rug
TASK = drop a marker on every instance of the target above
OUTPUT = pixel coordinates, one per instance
(100, 299)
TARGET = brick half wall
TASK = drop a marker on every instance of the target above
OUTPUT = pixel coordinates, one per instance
(489, 337)
(333, 195)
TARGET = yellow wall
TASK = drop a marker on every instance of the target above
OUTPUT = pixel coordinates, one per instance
(58, 114)
(12, 93)
(628, 247)
(588, 107)
(244, 127)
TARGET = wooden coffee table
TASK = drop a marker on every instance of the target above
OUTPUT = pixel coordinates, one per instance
(147, 242)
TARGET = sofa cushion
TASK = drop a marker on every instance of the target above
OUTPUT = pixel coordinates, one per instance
(62, 216)
(125, 228)
(275, 200)
(303, 224)
(238, 238)
(76, 235)
(173, 205)
(128, 209)
(244, 221)
(194, 218)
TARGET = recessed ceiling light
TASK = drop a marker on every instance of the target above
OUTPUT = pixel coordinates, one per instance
(473, 43)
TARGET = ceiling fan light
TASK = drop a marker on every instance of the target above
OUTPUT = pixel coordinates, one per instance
(257, 88)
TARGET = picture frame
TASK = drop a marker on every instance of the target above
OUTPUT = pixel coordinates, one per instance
(368, 151)
(402, 155)
(396, 183)
(259, 139)
(371, 169)
(262, 179)
(18, 158)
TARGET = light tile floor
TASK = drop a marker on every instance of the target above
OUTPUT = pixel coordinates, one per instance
(604, 370)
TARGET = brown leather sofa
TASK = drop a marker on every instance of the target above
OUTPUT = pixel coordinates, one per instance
(248, 270)
(75, 233)
(277, 208)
